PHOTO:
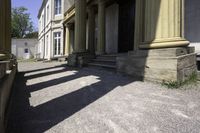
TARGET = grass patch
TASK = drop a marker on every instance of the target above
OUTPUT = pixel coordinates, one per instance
(192, 80)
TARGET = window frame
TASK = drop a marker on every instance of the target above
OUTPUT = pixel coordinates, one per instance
(57, 44)
(57, 7)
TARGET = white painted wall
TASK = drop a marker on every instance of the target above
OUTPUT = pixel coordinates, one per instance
(19, 45)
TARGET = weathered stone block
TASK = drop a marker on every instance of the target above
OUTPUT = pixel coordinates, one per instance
(79, 59)
(175, 64)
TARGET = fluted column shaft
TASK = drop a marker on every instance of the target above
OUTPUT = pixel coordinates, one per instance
(2, 25)
(163, 24)
(8, 25)
(91, 29)
(80, 26)
(101, 27)
(5, 26)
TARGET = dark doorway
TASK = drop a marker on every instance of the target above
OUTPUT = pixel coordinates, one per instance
(126, 25)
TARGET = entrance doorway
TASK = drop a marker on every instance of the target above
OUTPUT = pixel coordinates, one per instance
(126, 25)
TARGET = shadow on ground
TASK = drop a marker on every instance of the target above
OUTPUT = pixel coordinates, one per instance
(27, 119)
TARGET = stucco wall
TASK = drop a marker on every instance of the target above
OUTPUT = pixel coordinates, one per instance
(68, 4)
(112, 16)
(19, 45)
(192, 23)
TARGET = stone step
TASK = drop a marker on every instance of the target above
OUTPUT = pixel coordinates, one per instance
(102, 65)
(104, 61)
(106, 57)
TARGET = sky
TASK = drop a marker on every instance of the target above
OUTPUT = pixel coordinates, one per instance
(32, 6)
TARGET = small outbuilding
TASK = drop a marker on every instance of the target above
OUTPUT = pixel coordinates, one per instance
(24, 48)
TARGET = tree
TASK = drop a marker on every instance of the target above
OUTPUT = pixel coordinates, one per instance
(21, 22)
(32, 35)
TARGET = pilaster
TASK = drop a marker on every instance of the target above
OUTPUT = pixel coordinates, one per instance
(67, 41)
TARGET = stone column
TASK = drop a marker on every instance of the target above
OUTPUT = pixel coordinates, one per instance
(67, 41)
(5, 26)
(91, 30)
(8, 29)
(2, 25)
(80, 26)
(101, 27)
(163, 24)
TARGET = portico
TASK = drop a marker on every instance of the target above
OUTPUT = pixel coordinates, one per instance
(149, 31)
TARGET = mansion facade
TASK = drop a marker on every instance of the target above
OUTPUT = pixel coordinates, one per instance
(149, 39)
(50, 17)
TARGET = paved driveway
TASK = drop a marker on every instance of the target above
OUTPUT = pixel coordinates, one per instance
(52, 98)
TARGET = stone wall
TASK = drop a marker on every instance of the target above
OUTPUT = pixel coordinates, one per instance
(171, 64)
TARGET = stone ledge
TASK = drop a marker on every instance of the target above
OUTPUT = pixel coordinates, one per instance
(5, 89)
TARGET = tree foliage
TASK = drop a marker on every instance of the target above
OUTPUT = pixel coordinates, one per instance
(21, 22)
(32, 35)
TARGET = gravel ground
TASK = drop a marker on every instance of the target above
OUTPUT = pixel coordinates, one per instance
(52, 98)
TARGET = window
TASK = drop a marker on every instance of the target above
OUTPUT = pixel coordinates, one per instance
(57, 7)
(26, 51)
(47, 13)
(57, 41)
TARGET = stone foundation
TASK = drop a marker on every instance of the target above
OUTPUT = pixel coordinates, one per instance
(79, 59)
(169, 64)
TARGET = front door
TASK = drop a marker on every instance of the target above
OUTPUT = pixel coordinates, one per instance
(126, 25)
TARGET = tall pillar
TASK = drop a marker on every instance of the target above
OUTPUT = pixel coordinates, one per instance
(80, 26)
(5, 26)
(67, 41)
(91, 30)
(8, 29)
(163, 24)
(163, 55)
(101, 27)
(2, 25)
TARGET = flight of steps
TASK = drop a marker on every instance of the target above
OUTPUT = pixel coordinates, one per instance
(104, 61)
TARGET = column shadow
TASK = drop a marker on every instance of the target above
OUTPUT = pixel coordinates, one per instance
(25, 118)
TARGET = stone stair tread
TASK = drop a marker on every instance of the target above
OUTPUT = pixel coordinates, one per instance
(107, 55)
(102, 65)
(104, 60)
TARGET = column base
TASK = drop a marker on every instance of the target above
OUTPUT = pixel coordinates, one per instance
(165, 43)
(159, 65)
(79, 59)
